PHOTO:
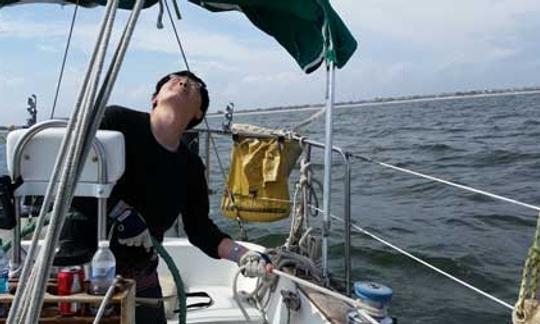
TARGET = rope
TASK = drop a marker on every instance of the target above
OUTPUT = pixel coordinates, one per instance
(309, 120)
(16, 313)
(70, 174)
(85, 127)
(236, 297)
(529, 278)
(449, 183)
(298, 218)
(60, 77)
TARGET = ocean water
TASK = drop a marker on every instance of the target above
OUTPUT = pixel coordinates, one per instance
(490, 143)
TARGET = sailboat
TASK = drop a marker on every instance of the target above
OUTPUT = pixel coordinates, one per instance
(221, 293)
(312, 33)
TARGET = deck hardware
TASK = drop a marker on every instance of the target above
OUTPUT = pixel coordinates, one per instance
(291, 300)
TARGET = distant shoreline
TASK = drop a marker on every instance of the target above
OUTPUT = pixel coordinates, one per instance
(364, 103)
(386, 101)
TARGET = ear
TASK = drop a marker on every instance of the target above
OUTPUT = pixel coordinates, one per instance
(154, 101)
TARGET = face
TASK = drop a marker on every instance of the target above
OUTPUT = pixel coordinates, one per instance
(181, 93)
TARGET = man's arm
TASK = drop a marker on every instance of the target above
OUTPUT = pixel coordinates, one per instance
(203, 233)
(230, 250)
(200, 229)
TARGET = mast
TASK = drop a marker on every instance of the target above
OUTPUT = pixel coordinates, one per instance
(330, 58)
(327, 186)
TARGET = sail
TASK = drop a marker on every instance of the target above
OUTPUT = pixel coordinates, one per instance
(299, 26)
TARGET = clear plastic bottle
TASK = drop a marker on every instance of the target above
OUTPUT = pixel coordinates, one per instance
(103, 269)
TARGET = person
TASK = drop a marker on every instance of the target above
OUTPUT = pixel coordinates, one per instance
(162, 179)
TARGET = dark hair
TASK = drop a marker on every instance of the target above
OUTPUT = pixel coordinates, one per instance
(205, 100)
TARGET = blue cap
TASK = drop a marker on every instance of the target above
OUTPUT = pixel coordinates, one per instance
(368, 290)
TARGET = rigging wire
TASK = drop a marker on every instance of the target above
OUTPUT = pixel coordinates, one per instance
(446, 182)
(309, 120)
(179, 42)
(424, 263)
(181, 48)
(399, 250)
(76, 153)
(425, 176)
(176, 35)
(243, 234)
(467, 188)
(64, 59)
(23, 293)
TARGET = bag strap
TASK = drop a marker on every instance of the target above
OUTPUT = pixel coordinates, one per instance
(202, 294)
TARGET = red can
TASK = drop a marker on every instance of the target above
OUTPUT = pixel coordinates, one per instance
(70, 281)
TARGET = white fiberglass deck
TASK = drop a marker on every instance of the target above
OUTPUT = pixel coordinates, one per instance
(202, 273)
(215, 277)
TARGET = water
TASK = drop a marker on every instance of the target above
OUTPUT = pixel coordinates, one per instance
(490, 143)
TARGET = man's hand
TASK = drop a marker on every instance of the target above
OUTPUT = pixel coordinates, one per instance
(131, 227)
(255, 264)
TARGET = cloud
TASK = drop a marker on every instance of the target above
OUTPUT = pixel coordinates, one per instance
(10, 82)
(404, 48)
(11, 27)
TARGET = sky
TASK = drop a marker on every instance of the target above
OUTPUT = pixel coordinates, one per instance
(404, 48)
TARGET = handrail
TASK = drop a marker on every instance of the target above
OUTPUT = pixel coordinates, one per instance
(347, 189)
(17, 156)
(348, 224)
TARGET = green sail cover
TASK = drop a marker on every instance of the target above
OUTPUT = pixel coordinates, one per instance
(303, 27)
(298, 25)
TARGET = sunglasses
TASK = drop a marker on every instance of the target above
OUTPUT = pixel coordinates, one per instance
(187, 81)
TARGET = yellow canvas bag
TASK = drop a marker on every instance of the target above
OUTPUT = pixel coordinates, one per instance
(257, 188)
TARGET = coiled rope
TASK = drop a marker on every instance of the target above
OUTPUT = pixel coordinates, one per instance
(529, 279)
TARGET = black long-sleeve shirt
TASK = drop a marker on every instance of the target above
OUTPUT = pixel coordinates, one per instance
(160, 184)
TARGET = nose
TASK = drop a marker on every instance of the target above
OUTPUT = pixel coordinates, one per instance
(183, 83)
